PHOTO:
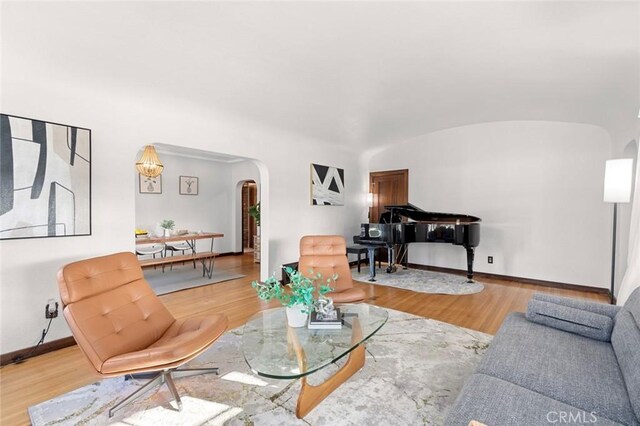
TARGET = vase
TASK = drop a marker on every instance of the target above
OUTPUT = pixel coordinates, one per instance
(167, 232)
(296, 317)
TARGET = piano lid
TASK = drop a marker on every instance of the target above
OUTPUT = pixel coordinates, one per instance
(417, 214)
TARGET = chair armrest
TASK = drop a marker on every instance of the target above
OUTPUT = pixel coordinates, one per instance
(572, 320)
(596, 307)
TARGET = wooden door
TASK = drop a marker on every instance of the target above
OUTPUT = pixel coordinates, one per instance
(388, 188)
(249, 198)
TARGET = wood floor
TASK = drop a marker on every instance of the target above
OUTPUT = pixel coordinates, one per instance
(55, 373)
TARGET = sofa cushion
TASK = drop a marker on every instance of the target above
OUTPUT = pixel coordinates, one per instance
(584, 305)
(585, 323)
(573, 369)
(625, 340)
(496, 402)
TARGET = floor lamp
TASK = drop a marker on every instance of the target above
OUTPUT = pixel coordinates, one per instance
(617, 189)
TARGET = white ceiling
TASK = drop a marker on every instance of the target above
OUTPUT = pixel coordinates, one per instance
(360, 73)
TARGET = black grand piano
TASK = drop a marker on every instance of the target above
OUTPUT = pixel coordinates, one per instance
(421, 227)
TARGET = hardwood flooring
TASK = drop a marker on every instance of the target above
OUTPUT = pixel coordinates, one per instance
(55, 373)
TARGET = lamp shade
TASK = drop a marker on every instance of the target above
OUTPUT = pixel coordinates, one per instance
(149, 164)
(617, 180)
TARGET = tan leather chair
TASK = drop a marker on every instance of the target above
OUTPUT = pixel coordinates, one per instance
(122, 327)
(327, 255)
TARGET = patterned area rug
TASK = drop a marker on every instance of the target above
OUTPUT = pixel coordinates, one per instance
(414, 370)
(184, 277)
(421, 281)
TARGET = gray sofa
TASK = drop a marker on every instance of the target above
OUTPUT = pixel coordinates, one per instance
(535, 374)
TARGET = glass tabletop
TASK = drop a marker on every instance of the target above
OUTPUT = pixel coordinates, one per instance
(272, 349)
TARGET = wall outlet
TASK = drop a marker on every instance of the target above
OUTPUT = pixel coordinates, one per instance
(490, 259)
(51, 310)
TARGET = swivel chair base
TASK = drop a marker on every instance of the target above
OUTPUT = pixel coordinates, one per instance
(164, 376)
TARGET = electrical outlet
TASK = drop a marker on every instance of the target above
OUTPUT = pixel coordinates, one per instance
(51, 310)
(490, 259)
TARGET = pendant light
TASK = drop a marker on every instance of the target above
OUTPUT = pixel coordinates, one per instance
(149, 164)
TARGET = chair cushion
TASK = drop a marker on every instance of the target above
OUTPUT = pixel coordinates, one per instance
(573, 369)
(184, 340)
(578, 321)
(86, 278)
(496, 402)
(349, 295)
(326, 255)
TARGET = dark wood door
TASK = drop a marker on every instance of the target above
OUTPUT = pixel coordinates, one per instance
(389, 187)
(249, 198)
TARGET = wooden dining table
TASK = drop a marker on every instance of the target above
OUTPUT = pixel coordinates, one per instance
(206, 258)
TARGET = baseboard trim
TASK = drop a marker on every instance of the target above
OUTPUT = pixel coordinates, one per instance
(51, 346)
(544, 283)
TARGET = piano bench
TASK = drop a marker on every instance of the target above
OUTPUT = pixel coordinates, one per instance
(358, 250)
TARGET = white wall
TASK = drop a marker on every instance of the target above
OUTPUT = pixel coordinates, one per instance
(210, 210)
(536, 185)
(121, 122)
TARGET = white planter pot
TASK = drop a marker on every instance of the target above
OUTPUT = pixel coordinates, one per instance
(296, 317)
(167, 232)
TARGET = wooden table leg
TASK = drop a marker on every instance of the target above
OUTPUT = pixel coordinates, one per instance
(310, 395)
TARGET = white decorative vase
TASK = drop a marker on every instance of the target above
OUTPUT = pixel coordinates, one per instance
(295, 316)
(167, 232)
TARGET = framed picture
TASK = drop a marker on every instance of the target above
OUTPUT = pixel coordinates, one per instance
(45, 179)
(327, 186)
(150, 185)
(188, 185)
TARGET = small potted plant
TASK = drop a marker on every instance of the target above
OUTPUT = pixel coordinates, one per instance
(299, 295)
(167, 225)
(254, 212)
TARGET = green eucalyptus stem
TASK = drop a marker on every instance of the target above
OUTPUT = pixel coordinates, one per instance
(303, 290)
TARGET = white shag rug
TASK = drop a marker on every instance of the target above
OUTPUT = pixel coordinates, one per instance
(415, 368)
(421, 281)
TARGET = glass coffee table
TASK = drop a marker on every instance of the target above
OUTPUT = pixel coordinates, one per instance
(275, 350)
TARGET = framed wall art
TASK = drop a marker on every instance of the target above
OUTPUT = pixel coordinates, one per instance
(327, 186)
(45, 179)
(188, 185)
(150, 185)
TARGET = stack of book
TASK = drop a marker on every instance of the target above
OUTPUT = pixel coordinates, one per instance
(319, 323)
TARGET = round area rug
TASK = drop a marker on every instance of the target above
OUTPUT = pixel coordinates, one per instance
(421, 281)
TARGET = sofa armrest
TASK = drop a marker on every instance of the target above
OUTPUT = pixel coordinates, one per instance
(597, 308)
(572, 320)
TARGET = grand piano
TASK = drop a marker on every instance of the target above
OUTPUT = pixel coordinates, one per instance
(405, 224)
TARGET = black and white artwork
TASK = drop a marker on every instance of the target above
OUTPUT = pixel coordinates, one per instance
(327, 186)
(188, 185)
(45, 179)
(150, 185)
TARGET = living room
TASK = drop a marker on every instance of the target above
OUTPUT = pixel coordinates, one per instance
(506, 112)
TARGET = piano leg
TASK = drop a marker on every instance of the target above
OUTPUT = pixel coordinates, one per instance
(371, 251)
(391, 267)
(470, 255)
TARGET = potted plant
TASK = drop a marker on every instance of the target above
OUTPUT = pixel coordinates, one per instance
(254, 212)
(298, 296)
(167, 225)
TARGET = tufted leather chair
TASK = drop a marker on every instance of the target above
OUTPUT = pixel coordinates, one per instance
(122, 327)
(327, 255)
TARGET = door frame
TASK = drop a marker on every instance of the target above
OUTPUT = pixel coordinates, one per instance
(404, 173)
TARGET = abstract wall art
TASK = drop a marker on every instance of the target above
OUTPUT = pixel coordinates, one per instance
(188, 185)
(45, 179)
(327, 186)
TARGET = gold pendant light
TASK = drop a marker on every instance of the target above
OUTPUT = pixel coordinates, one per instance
(149, 164)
